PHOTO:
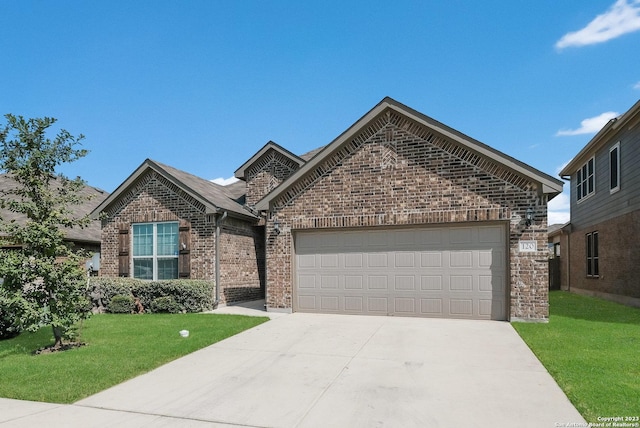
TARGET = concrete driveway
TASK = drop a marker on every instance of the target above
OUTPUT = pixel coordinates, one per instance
(308, 370)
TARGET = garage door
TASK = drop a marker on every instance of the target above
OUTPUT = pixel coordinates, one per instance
(445, 272)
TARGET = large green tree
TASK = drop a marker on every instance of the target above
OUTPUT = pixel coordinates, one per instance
(43, 276)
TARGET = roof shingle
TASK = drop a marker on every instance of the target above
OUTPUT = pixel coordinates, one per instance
(92, 197)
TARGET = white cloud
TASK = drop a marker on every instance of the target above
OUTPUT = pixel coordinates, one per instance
(621, 18)
(590, 125)
(225, 181)
(558, 209)
(558, 217)
(636, 86)
(560, 202)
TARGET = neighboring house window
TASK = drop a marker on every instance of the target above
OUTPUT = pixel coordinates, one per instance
(155, 251)
(614, 168)
(593, 270)
(585, 180)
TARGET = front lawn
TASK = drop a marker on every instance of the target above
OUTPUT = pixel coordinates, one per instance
(118, 348)
(591, 347)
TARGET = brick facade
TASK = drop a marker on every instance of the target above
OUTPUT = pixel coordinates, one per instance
(241, 261)
(393, 168)
(266, 174)
(154, 199)
(399, 172)
(619, 260)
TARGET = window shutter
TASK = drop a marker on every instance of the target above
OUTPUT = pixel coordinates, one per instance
(123, 250)
(184, 258)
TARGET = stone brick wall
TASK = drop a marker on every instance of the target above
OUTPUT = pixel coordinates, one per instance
(266, 174)
(241, 260)
(398, 172)
(154, 199)
(619, 258)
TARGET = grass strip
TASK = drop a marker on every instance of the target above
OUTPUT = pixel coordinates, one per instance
(118, 347)
(591, 347)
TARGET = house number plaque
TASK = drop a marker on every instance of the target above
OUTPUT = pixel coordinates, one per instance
(528, 246)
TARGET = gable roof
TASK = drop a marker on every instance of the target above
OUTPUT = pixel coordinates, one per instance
(237, 190)
(557, 229)
(550, 185)
(240, 172)
(91, 196)
(631, 118)
(214, 197)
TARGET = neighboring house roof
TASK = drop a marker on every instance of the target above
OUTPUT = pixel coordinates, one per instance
(556, 229)
(240, 172)
(553, 227)
(214, 197)
(550, 185)
(92, 197)
(630, 118)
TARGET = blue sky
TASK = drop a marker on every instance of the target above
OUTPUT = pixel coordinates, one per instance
(203, 85)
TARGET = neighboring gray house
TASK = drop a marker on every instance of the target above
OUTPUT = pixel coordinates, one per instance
(604, 232)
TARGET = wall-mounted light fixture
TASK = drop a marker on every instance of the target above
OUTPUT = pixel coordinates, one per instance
(529, 216)
(276, 226)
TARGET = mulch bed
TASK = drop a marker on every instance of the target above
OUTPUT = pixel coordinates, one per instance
(65, 347)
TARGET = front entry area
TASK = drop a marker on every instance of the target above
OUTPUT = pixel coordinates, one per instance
(437, 271)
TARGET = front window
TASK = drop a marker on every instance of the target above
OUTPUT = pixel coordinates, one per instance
(585, 180)
(155, 251)
(593, 268)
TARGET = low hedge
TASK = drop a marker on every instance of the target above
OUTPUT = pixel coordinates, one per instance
(190, 295)
(166, 304)
(121, 304)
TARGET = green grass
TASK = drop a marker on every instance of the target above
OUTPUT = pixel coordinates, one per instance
(118, 348)
(591, 347)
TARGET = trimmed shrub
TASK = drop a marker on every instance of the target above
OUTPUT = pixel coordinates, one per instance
(166, 304)
(191, 295)
(103, 289)
(121, 304)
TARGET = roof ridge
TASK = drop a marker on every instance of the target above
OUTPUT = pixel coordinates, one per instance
(213, 196)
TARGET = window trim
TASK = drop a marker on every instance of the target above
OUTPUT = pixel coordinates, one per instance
(615, 147)
(154, 257)
(582, 181)
(591, 255)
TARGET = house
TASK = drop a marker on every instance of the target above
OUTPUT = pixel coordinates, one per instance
(603, 257)
(558, 239)
(399, 215)
(163, 223)
(87, 238)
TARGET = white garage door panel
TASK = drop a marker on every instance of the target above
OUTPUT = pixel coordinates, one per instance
(432, 272)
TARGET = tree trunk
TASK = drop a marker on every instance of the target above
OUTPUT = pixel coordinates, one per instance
(57, 335)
